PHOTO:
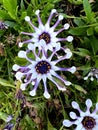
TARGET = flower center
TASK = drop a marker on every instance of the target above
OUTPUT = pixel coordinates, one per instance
(88, 122)
(42, 67)
(45, 36)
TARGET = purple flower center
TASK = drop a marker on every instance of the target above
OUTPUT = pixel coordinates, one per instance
(43, 67)
(45, 36)
(88, 122)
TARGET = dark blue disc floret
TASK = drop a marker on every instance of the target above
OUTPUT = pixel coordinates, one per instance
(43, 67)
(88, 122)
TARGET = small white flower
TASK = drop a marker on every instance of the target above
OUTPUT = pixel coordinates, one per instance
(42, 67)
(46, 32)
(87, 120)
(92, 74)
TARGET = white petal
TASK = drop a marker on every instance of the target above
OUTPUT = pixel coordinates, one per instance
(88, 103)
(33, 92)
(18, 75)
(67, 123)
(85, 78)
(27, 18)
(67, 83)
(53, 11)
(61, 88)
(33, 82)
(79, 127)
(46, 95)
(68, 53)
(92, 79)
(69, 38)
(61, 17)
(37, 12)
(22, 54)
(23, 86)
(66, 26)
(75, 105)
(42, 43)
(15, 67)
(73, 115)
(96, 106)
(30, 46)
(20, 44)
(57, 46)
(72, 69)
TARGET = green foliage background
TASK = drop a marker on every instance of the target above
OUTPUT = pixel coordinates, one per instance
(39, 113)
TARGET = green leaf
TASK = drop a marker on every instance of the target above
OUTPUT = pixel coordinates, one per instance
(79, 22)
(50, 127)
(94, 44)
(11, 7)
(29, 121)
(4, 15)
(78, 30)
(79, 88)
(87, 9)
(4, 82)
(22, 5)
(10, 24)
(82, 52)
(96, 29)
(20, 61)
(90, 31)
(3, 116)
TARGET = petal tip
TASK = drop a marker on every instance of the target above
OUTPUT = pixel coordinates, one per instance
(27, 18)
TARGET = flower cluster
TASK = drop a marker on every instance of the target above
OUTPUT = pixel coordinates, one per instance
(87, 120)
(44, 46)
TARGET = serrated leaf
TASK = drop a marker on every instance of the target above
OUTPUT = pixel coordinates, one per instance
(4, 82)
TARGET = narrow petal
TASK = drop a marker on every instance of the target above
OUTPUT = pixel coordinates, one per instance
(33, 91)
(50, 17)
(46, 94)
(88, 104)
(58, 86)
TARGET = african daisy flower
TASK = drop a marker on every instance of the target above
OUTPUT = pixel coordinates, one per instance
(92, 74)
(41, 68)
(87, 120)
(46, 32)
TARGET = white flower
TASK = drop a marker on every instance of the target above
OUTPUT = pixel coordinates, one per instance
(87, 120)
(42, 67)
(92, 74)
(46, 32)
